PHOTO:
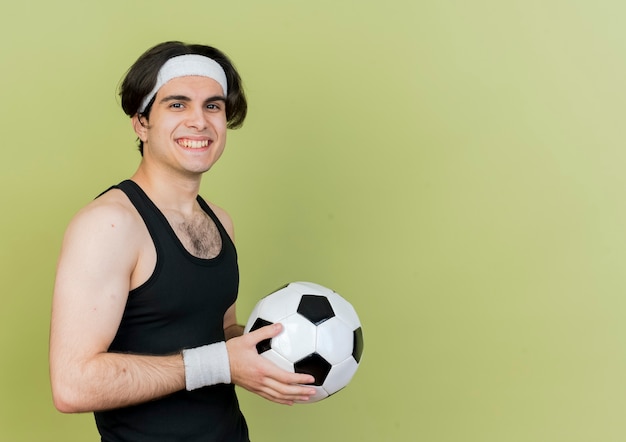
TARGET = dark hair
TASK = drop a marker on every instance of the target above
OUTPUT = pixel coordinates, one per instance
(142, 76)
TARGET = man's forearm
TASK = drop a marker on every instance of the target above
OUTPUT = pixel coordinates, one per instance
(233, 331)
(114, 380)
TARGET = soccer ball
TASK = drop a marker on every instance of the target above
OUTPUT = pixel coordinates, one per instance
(321, 335)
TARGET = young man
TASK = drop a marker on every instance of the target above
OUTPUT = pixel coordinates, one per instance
(144, 330)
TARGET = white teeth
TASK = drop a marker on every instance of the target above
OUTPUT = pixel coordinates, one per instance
(193, 144)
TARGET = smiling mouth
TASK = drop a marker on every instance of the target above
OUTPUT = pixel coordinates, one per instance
(193, 144)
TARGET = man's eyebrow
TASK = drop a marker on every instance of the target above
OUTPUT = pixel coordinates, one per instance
(187, 99)
(215, 98)
(175, 98)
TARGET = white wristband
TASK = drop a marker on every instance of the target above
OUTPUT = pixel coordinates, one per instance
(206, 365)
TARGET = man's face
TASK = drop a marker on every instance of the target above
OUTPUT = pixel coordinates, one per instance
(186, 131)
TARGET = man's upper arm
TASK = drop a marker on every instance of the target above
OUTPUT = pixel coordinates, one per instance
(231, 327)
(92, 283)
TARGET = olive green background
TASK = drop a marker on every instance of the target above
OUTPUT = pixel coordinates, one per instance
(454, 168)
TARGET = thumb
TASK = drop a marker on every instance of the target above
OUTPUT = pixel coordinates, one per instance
(266, 332)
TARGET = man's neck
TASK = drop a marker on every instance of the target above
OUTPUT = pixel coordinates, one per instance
(169, 191)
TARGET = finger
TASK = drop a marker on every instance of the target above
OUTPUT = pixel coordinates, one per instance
(267, 332)
(273, 399)
(288, 377)
(285, 392)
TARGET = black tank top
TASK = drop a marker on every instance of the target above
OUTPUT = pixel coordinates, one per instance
(181, 305)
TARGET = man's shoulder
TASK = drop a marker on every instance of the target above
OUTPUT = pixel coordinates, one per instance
(103, 242)
(111, 209)
(224, 218)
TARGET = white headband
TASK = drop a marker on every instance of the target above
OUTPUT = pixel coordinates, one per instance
(185, 65)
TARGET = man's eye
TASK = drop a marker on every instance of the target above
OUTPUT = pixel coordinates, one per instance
(176, 105)
(213, 106)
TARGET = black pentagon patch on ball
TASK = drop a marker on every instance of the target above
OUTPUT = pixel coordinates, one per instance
(315, 365)
(357, 349)
(265, 344)
(315, 308)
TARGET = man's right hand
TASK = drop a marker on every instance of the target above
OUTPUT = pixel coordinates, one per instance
(255, 373)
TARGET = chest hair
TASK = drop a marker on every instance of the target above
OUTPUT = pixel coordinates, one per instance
(198, 234)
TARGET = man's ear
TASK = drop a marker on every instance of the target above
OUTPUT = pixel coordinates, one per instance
(140, 126)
